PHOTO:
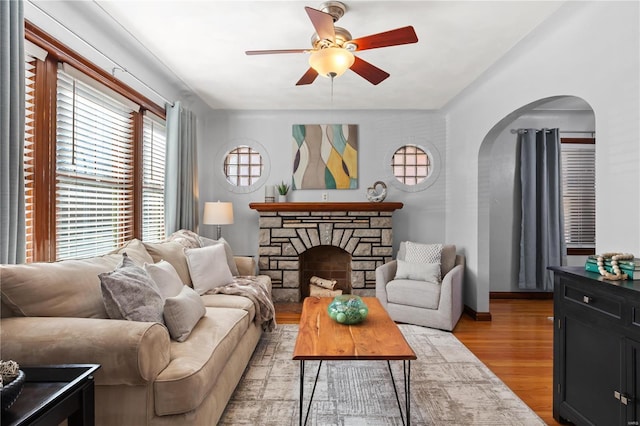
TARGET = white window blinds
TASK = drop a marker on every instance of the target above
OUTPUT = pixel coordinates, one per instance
(94, 170)
(579, 194)
(154, 148)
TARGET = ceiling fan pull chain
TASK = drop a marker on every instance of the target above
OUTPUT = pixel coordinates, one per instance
(332, 92)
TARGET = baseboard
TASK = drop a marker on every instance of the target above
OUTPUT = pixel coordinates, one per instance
(537, 295)
(478, 316)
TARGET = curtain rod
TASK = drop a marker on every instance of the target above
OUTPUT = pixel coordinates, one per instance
(514, 131)
(117, 65)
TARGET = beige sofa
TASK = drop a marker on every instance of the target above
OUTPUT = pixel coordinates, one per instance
(53, 313)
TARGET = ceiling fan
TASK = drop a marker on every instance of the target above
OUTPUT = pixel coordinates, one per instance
(333, 47)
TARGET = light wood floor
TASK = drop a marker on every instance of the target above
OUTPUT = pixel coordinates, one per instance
(517, 345)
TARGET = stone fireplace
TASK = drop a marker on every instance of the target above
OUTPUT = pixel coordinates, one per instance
(341, 241)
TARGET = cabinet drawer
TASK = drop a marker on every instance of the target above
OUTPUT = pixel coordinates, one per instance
(594, 300)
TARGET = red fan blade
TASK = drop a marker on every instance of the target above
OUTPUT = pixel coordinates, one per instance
(308, 77)
(369, 72)
(405, 35)
(323, 23)
(269, 52)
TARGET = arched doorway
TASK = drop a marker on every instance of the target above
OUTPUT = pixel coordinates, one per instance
(498, 189)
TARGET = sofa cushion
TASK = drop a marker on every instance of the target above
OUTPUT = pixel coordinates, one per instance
(208, 267)
(182, 312)
(129, 293)
(420, 294)
(230, 301)
(136, 250)
(173, 253)
(418, 271)
(196, 363)
(233, 267)
(68, 288)
(165, 277)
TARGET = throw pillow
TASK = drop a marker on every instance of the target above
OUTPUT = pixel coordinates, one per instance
(173, 253)
(186, 238)
(128, 292)
(423, 253)
(429, 272)
(206, 242)
(182, 313)
(208, 267)
(165, 277)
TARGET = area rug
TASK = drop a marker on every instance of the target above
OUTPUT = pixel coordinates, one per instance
(449, 386)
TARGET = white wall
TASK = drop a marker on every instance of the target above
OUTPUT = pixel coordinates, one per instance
(72, 22)
(421, 219)
(589, 50)
(504, 210)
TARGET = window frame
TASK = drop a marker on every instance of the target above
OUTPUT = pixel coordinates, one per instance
(44, 182)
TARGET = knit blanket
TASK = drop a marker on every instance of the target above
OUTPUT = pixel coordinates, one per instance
(255, 291)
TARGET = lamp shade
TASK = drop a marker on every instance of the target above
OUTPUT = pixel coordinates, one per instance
(218, 213)
(331, 61)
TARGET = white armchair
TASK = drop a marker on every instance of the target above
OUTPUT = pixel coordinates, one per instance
(421, 302)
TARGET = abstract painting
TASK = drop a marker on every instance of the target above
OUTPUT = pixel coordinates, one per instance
(325, 156)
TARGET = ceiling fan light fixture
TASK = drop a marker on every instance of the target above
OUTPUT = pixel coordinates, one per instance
(331, 61)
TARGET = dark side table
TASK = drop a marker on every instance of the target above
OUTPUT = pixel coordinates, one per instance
(53, 393)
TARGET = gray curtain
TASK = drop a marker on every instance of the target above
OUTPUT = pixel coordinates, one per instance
(181, 177)
(542, 227)
(12, 209)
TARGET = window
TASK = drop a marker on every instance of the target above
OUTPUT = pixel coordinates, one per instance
(578, 194)
(243, 166)
(100, 174)
(154, 149)
(94, 164)
(411, 165)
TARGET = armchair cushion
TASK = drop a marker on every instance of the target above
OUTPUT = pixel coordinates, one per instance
(420, 294)
(423, 253)
(447, 257)
(418, 271)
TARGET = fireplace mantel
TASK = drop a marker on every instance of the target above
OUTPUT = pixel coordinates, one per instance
(326, 207)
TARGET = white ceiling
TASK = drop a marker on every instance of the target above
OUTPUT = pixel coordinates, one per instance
(203, 43)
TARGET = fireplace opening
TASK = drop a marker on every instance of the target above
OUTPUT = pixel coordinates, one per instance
(327, 262)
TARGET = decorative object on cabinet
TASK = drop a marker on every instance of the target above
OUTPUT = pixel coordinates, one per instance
(325, 156)
(218, 214)
(614, 266)
(377, 195)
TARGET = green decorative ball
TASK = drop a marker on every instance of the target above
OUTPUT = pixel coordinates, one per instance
(347, 309)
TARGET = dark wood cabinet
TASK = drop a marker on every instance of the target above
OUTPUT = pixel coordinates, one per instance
(596, 349)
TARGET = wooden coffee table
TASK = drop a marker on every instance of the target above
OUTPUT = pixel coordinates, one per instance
(376, 338)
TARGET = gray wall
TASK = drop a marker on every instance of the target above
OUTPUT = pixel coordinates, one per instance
(505, 205)
(421, 219)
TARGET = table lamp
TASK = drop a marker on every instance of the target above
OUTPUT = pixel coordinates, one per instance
(218, 214)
